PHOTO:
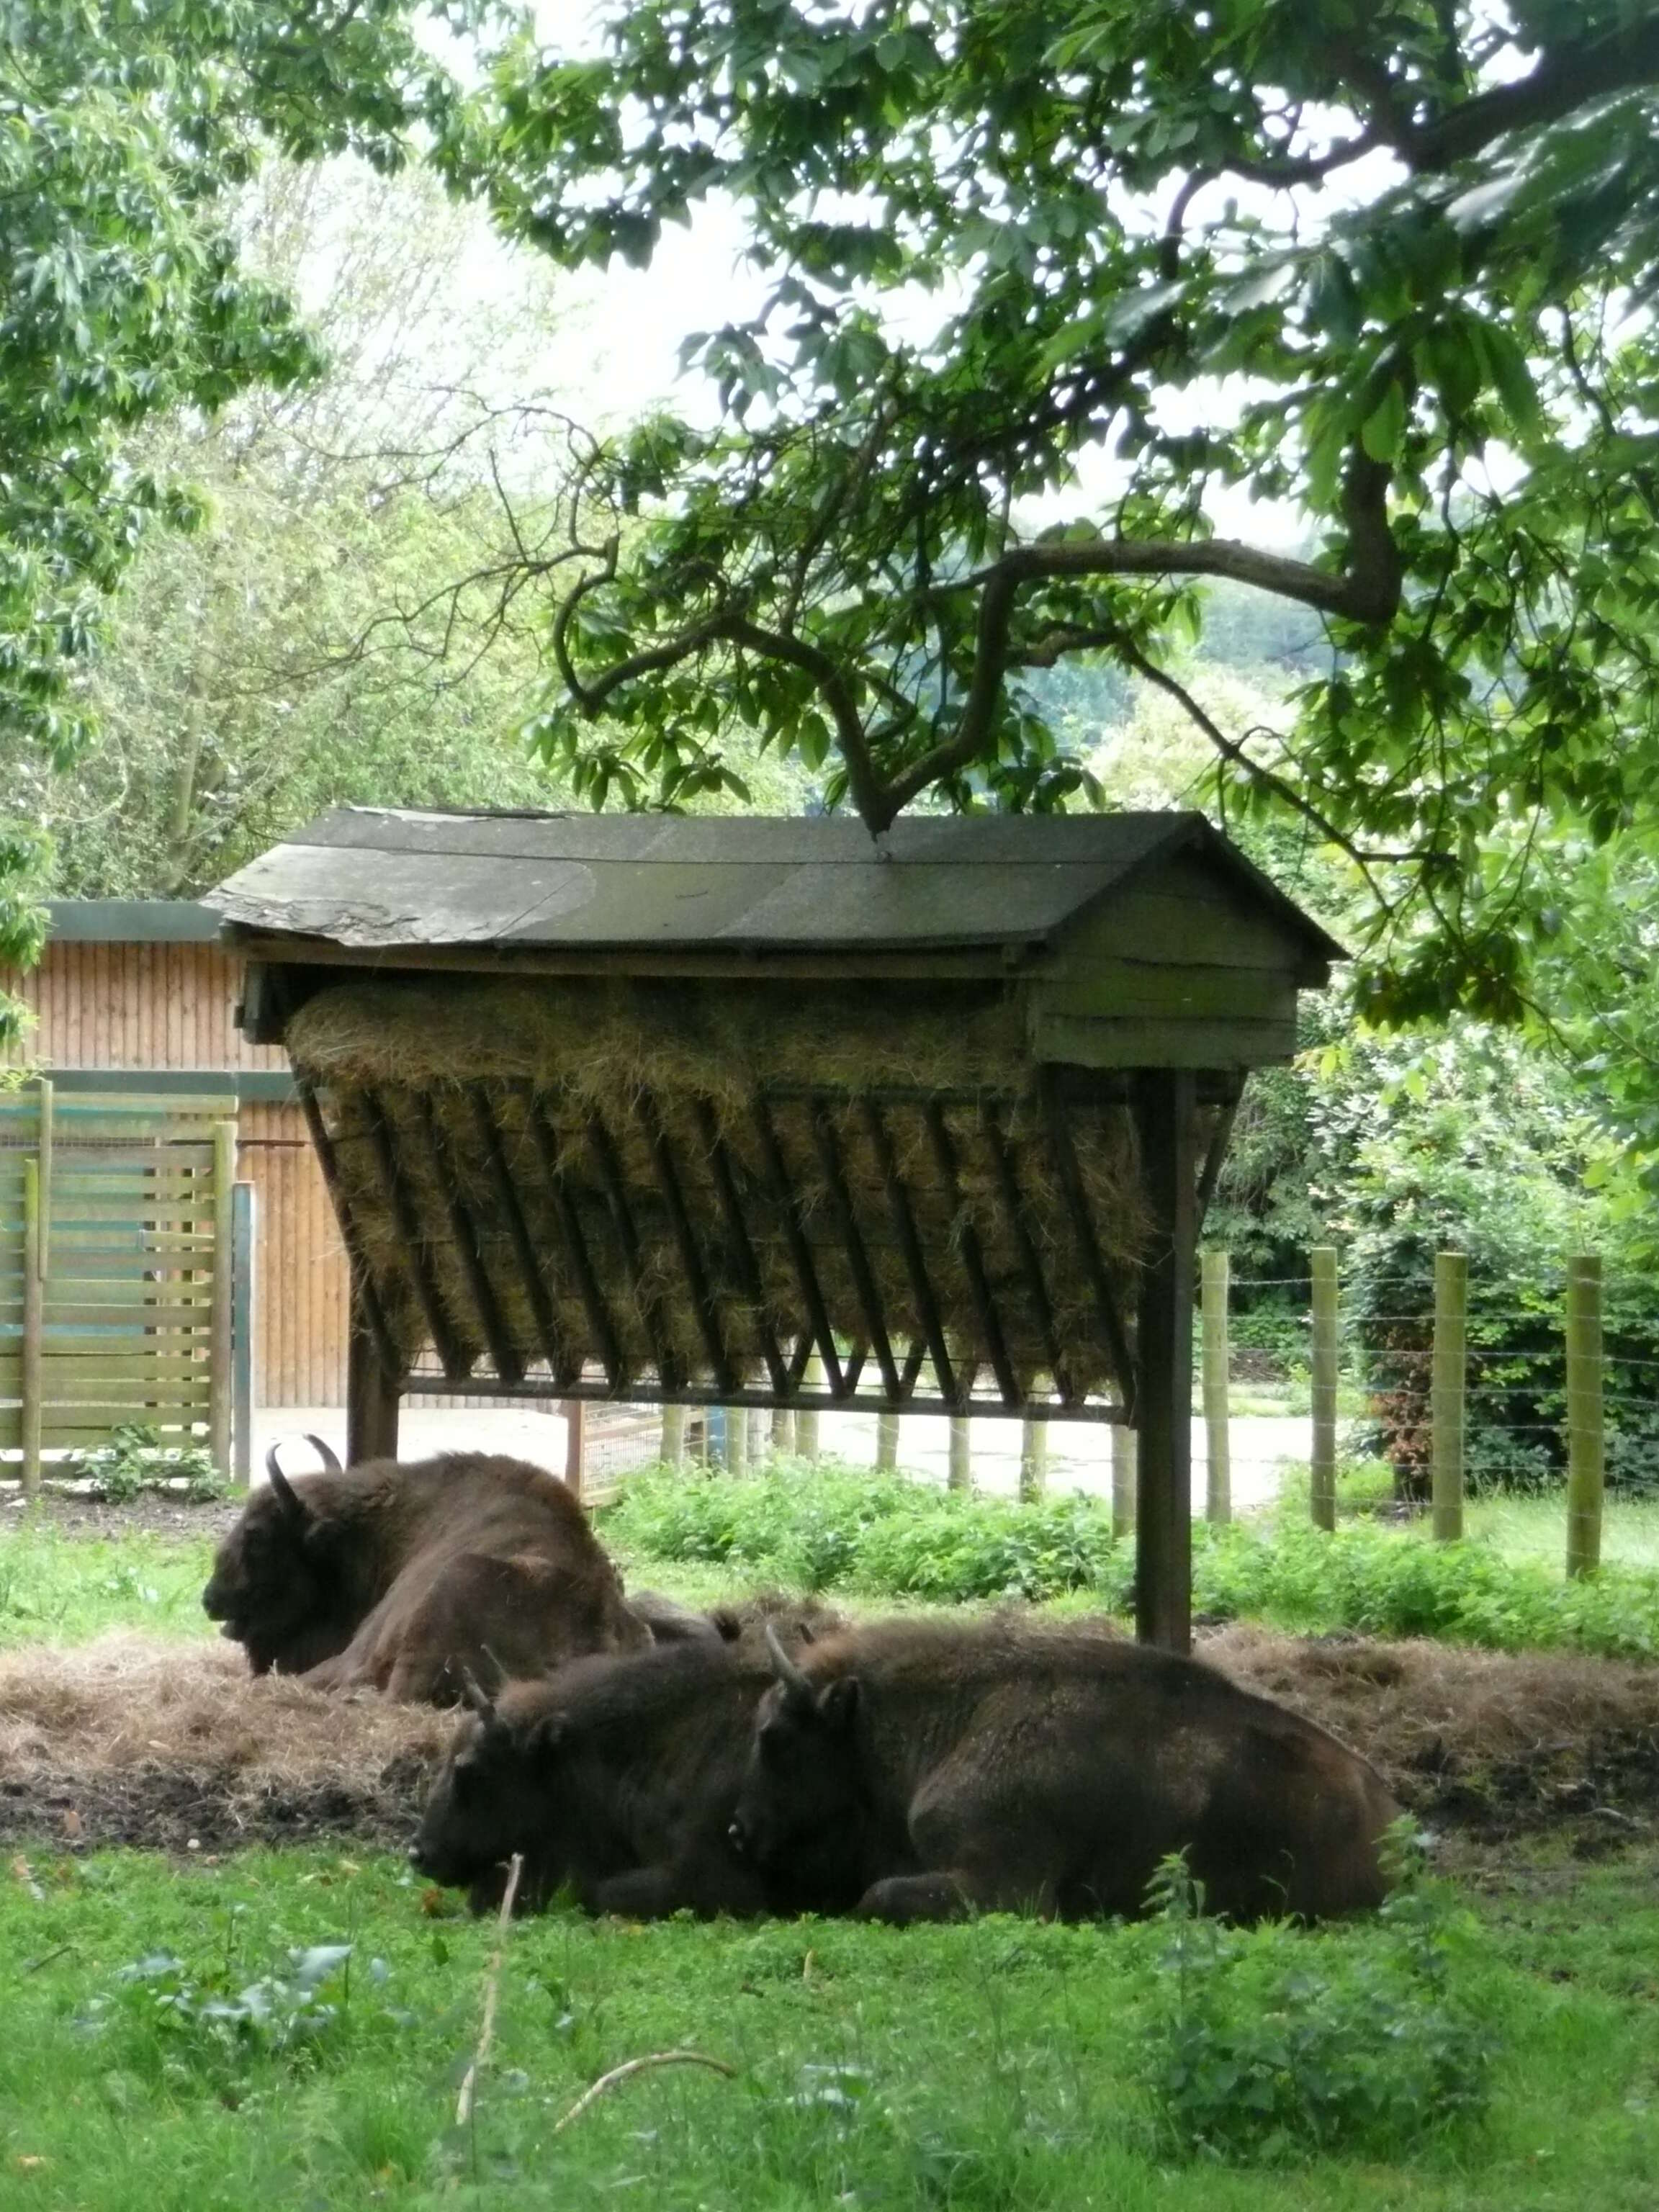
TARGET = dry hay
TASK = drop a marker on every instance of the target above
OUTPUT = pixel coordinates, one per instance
(594, 1063)
(130, 1740)
(1495, 1741)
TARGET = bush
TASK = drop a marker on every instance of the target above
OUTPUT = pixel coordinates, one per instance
(828, 1527)
(135, 1460)
(1270, 2049)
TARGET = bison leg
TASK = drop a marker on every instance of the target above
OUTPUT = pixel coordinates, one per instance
(899, 1898)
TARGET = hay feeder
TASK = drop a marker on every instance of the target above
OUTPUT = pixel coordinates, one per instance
(767, 1113)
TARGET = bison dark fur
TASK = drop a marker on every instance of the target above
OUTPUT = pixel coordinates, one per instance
(912, 1771)
(394, 1578)
(616, 1777)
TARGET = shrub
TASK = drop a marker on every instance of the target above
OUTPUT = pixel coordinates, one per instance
(135, 1460)
(1273, 2046)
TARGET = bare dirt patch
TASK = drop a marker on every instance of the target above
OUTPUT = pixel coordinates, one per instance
(74, 1511)
(128, 1740)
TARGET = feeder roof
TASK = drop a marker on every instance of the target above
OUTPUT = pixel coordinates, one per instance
(376, 879)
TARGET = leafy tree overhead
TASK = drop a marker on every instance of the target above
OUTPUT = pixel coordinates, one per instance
(123, 125)
(1052, 286)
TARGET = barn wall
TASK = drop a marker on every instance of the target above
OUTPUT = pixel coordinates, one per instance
(144, 1006)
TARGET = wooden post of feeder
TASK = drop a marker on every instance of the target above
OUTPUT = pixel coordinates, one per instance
(673, 1435)
(1214, 1273)
(961, 1471)
(1166, 1116)
(734, 1454)
(33, 1302)
(783, 1432)
(1586, 1456)
(370, 1391)
(1451, 1300)
(1123, 1481)
(1322, 1467)
(887, 1441)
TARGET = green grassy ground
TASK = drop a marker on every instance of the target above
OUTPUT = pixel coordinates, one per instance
(984, 2066)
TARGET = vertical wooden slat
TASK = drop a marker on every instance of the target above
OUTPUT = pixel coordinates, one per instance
(219, 1349)
(1123, 1481)
(1165, 1113)
(243, 1309)
(30, 1387)
(45, 1088)
(576, 1444)
(960, 1475)
(1033, 1460)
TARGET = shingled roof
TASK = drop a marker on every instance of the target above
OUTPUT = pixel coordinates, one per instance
(374, 878)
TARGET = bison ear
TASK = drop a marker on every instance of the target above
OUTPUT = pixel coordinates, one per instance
(838, 1703)
(548, 1734)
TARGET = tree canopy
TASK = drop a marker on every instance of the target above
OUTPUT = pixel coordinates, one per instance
(1058, 289)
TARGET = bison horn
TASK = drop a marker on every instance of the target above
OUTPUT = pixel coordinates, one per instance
(326, 1453)
(475, 1694)
(793, 1680)
(286, 1496)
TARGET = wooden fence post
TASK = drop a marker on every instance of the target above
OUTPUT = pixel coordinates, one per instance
(1123, 1481)
(575, 1445)
(674, 1435)
(783, 1432)
(34, 1253)
(961, 1475)
(887, 1435)
(1214, 1273)
(1033, 1460)
(221, 1341)
(807, 1419)
(245, 1214)
(760, 1436)
(1322, 1467)
(734, 1456)
(1586, 1454)
(1451, 1301)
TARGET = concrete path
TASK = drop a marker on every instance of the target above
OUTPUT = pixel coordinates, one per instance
(1079, 1453)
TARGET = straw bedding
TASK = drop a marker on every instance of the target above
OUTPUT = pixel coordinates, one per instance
(129, 1740)
(575, 1073)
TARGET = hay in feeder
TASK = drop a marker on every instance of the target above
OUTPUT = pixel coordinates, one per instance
(616, 1093)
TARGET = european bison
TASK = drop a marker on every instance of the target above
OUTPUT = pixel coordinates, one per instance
(395, 1577)
(616, 1777)
(910, 1771)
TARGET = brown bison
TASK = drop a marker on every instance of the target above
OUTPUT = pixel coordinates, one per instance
(616, 1777)
(911, 1771)
(395, 1577)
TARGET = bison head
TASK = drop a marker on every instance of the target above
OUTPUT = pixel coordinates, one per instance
(800, 1819)
(497, 1793)
(275, 1581)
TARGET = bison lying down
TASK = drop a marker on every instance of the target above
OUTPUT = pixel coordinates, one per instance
(616, 1777)
(908, 1770)
(395, 1577)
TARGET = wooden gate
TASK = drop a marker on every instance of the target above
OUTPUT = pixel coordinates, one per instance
(115, 1213)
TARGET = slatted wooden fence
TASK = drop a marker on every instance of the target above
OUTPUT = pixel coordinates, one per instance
(114, 1213)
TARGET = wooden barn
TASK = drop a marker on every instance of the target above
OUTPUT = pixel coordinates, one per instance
(143, 988)
(768, 1113)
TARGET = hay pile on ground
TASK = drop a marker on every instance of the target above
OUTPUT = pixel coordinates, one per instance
(129, 1740)
(600, 1090)
(1493, 1740)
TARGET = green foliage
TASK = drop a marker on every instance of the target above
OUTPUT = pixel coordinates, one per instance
(1119, 293)
(825, 1529)
(62, 1589)
(877, 1536)
(135, 1460)
(1270, 2051)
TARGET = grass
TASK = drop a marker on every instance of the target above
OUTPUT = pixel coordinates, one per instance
(62, 1589)
(992, 2065)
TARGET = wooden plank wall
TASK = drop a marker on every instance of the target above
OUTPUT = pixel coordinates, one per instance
(173, 1007)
